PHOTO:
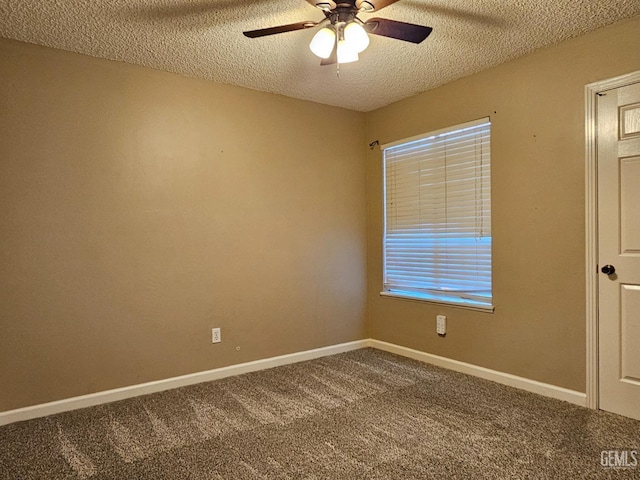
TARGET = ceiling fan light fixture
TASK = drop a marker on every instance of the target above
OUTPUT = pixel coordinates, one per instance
(322, 42)
(346, 52)
(356, 36)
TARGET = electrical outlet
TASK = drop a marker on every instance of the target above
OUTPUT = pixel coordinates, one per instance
(215, 335)
(441, 324)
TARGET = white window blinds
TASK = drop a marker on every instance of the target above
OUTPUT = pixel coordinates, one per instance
(437, 235)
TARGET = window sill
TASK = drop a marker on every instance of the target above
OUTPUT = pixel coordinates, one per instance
(467, 305)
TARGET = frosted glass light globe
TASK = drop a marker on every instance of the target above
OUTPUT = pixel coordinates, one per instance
(322, 42)
(356, 36)
(346, 53)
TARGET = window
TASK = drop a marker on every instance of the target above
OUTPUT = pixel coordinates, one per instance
(437, 214)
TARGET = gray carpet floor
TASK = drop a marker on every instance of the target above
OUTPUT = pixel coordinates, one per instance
(364, 414)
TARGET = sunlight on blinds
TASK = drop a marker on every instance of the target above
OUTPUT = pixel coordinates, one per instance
(437, 238)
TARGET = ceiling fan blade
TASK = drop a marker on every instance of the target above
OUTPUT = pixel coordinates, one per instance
(325, 5)
(408, 32)
(373, 5)
(263, 32)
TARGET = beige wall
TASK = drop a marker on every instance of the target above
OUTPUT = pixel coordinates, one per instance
(139, 209)
(536, 105)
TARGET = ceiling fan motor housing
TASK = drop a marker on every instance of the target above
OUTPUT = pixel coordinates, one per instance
(341, 15)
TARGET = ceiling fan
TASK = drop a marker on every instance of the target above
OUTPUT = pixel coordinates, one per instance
(343, 35)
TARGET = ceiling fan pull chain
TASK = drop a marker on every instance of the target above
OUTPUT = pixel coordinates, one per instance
(338, 70)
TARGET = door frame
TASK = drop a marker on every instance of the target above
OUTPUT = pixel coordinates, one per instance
(591, 92)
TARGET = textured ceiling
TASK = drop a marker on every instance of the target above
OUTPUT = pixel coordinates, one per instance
(203, 38)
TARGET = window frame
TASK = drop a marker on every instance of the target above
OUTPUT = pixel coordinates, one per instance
(433, 298)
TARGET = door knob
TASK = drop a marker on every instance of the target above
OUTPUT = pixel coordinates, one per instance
(608, 269)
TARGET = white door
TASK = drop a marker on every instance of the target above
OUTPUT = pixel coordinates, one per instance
(619, 250)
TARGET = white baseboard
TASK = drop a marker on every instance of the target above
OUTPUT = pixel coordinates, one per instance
(560, 393)
(99, 398)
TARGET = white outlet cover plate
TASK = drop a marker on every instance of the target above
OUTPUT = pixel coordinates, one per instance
(215, 335)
